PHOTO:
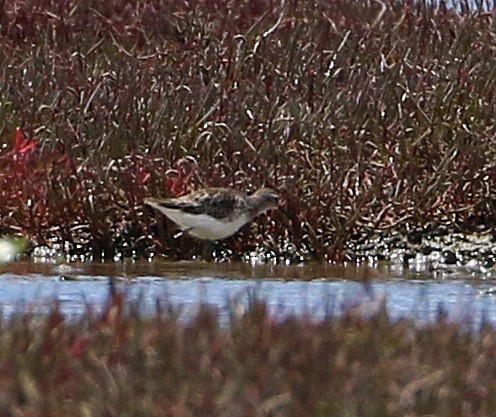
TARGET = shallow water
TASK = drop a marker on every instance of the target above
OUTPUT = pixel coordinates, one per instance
(316, 291)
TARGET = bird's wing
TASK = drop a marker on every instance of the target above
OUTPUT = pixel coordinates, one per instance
(218, 203)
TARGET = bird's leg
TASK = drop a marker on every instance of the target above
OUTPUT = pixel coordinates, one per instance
(183, 232)
(208, 247)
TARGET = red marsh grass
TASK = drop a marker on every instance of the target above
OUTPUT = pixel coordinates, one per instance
(120, 363)
(368, 116)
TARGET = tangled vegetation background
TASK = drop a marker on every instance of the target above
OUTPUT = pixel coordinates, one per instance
(370, 117)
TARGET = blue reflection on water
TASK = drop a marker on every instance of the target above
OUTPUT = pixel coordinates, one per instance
(419, 300)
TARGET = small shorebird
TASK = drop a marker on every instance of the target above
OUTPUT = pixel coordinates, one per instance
(215, 213)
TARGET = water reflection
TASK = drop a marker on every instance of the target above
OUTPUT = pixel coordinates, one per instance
(185, 288)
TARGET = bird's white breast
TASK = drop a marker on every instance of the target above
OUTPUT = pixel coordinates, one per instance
(203, 226)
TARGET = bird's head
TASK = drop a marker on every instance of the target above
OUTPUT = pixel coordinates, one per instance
(265, 199)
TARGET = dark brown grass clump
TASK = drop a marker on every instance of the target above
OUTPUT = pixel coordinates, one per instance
(366, 115)
(121, 364)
